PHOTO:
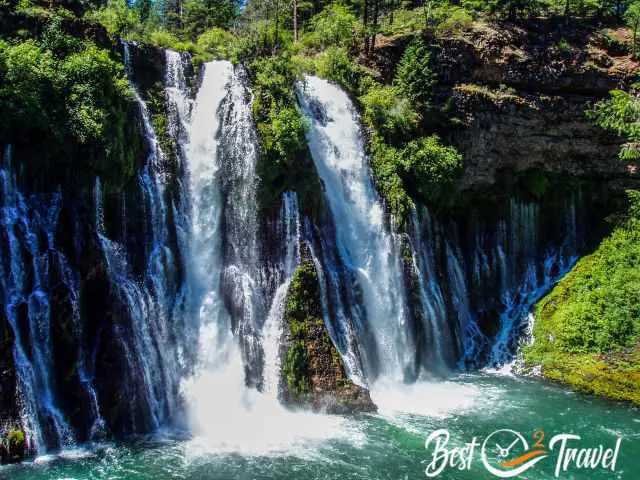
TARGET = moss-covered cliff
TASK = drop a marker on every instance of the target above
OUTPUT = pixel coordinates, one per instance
(313, 375)
(587, 329)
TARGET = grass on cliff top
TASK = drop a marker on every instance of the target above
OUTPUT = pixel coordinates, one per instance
(587, 330)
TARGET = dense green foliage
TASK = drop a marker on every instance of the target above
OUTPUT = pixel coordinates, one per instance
(632, 17)
(587, 330)
(414, 78)
(430, 169)
(621, 114)
(74, 98)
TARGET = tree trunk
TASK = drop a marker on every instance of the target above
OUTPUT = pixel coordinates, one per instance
(365, 23)
(295, 21)
(372, 45)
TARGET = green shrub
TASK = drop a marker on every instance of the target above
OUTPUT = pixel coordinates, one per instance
(296, 368)
(77, 105)
(117, 18)
(452, 20)
(390, 112)
(27, 74)
(218, 43)
(281, 124)
(620, 114)
(165, 39)
(405, 21)
(429, 168)
(335, 26)
(385, 163)
(91, 80)
(336, 64)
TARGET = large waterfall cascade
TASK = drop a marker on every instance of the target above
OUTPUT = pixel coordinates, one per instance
(201, 303)
(364, 242)
(508, 263)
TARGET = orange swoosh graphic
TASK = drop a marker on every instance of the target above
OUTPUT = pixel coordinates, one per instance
(523, 458)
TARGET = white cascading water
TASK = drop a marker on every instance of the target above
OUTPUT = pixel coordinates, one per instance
(273, 327)
(23, 222)
(149, 303)
(364, 242)
(434, 312)
(225, 414)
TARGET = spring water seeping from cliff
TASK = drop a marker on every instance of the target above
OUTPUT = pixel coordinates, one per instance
(146, 288)
(464, 275)
(28, 253)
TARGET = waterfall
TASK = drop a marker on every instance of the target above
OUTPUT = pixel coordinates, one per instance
(433, 306)
(273, 329)
(365, 245)
(243, 275)
(147, 296)
(242, 307)
(28, 252)
(475, 277)
(498, 271)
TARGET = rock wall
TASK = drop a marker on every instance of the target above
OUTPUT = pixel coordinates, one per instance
(513, 98)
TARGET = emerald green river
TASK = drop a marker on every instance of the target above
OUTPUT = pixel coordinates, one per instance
(255, 441)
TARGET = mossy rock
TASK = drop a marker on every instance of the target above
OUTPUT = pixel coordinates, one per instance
(13, 447)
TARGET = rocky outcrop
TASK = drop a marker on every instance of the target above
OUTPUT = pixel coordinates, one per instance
(313, 374)
(505, 131)
(513, 98)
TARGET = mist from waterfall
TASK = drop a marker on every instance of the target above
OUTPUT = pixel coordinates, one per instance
(240, 320)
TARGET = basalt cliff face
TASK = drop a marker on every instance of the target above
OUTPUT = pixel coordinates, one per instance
(514, 98)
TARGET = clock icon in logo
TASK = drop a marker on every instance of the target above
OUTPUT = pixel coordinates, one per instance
(506, 453)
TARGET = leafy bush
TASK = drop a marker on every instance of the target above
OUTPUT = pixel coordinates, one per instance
(336, 64)
(452, 20)
(335, 26)
(117, 18)
(405, 21)
(76, 105)
(285, 133)
(389, 111)
(385, 162)
(296, 368)
(165, 39)
(217, 42)
(27, 74)
(430, 168)
(620, 114)
(91, 80)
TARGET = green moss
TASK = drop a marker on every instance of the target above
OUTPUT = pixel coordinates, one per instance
(296, 368)
(15, 437)
(303, 316)
(587, 330)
